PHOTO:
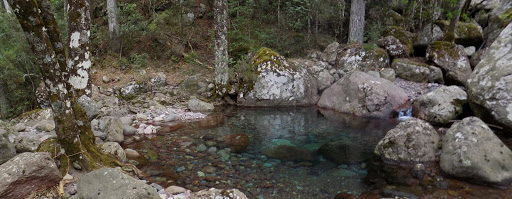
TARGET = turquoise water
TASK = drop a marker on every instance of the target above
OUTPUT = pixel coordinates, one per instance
(292, 153)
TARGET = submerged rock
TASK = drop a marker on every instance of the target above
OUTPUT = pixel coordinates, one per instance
(452, 59)
(108, 183)
(441, 105)
(363, 95)
(287, 152)
(237, 142)
(345, 152)
(219, 194)
(490, 85)
(27, 172)
(277, 83)
(472, 151)
(411, 141)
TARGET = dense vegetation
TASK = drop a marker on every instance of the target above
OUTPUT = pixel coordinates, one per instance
(179, 34)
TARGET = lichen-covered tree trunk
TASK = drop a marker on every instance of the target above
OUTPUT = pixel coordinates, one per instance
(7, 7)
(4, 104)
(79, 60)
(73, 131)
(356, 26)
(221, 46)
(113, 26)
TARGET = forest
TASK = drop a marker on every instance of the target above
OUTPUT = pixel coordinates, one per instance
(255, 98)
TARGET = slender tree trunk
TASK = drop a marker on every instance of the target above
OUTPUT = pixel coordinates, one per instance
(113, 26)
(79, 62)
(450, 32)
(221, 46)
(71, 123)
(4, 104)
(356, 26)
(7, 7)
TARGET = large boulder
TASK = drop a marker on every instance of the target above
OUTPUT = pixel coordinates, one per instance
(89, 106)
(405, 37)
(441, 105)
(28, 172)
(7, 150)
(277, 83)
(466, 34)
(195, 105)
(412, 141)
(363, 58)
(109, 183)
(472, 151)
(393, 46)
(452, 59)
(219, 194)
(499, 18)
(427, 35)
(364, 95)
(417, 72)
(490, 85)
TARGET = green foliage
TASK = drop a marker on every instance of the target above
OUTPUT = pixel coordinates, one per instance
(59, 14)
(297, 14)
(132, 25)
(18, 76)
(139, 61)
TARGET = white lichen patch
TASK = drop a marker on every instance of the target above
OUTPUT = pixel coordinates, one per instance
(79, 81)
(74, 40)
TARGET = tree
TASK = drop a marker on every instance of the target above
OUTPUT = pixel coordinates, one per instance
(221, 46)
(450, 32)
(64, 81)
(7, 7)
(113, 26)
(356, 26)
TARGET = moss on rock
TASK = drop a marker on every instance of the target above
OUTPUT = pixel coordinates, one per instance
(403, 35)
(467, 34)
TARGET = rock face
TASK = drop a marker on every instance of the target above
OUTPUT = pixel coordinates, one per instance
(89, 106)
(466, 34)
(363, 95)
(219, 194)
(363, 59)
(472, 151)
(417, 72)
(7, 150)
(440, 106)
(452, 59)
(411, 141)
(111, 183)
(278, 83)
(490, 85)
(27, 172)
(499, 18)
(393, 46)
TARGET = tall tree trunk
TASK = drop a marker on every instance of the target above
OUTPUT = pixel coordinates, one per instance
(7, 7)
(113, 26)
(450, 32)
(4, 104)
(79, 61)
(221, 46)
(356, 26)
(71, 123)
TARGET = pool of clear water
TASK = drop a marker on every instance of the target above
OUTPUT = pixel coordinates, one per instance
(292, 153)
(194, 154)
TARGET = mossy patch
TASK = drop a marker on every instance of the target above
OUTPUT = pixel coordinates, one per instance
(465, 33)
(265, 58)
(442, 49)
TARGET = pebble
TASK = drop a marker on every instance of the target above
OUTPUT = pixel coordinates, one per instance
(200, 174)
(212, 150)
(180, 169)
(173, 190)
(201, 148)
